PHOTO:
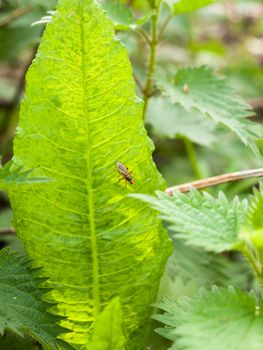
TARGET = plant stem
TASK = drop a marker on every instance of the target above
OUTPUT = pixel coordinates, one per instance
(152, 56)
(192, 157)
(216, 180)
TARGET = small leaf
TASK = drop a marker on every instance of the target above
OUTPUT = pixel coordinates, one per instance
(217, 319)
(184, 6)
(200, 219)
(172, 120)
(212, 96)
(107, 332)
(22, 309)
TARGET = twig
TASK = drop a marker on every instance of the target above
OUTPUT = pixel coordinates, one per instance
(7, 230)
(216, 180)
(14, 15)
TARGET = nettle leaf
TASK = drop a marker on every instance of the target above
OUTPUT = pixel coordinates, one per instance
(174, 121)
(213, 320)
(184, 6)
(199, 219)
(198, 89)
(22, 309)
(79, 117)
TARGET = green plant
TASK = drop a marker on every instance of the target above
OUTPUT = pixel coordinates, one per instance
(97, 250)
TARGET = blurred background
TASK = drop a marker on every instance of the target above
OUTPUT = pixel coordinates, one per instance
(227, 36)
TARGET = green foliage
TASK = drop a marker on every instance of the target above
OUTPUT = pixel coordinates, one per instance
(217, 319)
(47, 4)
(138, 5)
(107, 332)
(198, 268)
(122, 17)
(200, 219)
(174, 121)
(21, 307)
(79, 117)
(20, 32)
(184, 6)
(198, 88)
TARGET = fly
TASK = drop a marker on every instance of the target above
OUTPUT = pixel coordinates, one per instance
(125, 173)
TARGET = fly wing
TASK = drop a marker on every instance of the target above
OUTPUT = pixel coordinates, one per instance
(121, 168)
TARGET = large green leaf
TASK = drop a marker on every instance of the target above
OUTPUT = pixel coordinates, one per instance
(21, 307)
(198, 89)
(184, 6)
(79, 117)
(200, 219)
(220, 319)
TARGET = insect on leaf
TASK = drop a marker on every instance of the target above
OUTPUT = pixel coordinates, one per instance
(79, 117)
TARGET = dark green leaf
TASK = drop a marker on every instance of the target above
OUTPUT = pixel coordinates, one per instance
(21, 307)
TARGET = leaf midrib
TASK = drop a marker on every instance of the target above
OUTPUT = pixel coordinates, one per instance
(89, 182)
